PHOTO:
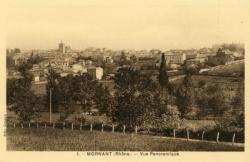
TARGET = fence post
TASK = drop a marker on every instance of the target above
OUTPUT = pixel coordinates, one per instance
(187, 134)
(124, 129)
(202, 136)
(174, 132)
(113, 128)
(218, 137)
(91, 127)
(53, 125)
(81, 126)
(29, 125)
(63, 125)
(233, 138)
(72, 126)
(14, 125)
(45, 125)
(22, 125)
(36, 125)
(135, 129)
(102, 128)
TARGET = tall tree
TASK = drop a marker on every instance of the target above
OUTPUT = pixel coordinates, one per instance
(105, 102)
(19, 95)
(139, 99)
(163, 77)
(186, 98)
(84, 90)
(26, 105)
(127, 81)
(64, 96)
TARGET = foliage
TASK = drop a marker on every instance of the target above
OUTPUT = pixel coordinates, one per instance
(127, 79)
(53, 88)
(139, 100)
(212, 99)
(171, 117)
(10, 61)
(34, 59)
(84, 89)
(163, 77)
(127, 82)
(21, 99)
(123, 60)
(186, 98)
(133, 58)
(65, 96)
(105, 102)
(19, 95)
(238, 104)
(191, 69)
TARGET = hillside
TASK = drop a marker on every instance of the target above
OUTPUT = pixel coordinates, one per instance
(234, 68)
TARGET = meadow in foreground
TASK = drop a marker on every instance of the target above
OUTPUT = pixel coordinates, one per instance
(66, 140)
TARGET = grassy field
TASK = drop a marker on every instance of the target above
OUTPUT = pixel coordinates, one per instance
(66, 140)
(236, 69)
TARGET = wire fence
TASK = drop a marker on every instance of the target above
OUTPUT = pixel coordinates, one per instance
(208, 135)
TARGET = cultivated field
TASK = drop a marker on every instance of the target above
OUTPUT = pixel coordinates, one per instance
(67, 140)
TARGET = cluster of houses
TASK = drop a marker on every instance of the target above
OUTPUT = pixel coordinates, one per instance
(66, 61)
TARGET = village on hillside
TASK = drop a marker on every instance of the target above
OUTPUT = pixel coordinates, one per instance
(190, 93)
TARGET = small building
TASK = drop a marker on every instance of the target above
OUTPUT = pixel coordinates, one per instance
(175, 58)
(191, 56)
(109, 60)
(174, 66)
(95, 72)
(37, 72)
(197, 59)
(221, 58)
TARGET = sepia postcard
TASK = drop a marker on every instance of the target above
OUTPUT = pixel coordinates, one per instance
(124, 80)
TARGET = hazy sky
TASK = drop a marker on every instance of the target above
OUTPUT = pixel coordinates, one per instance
(124, 24)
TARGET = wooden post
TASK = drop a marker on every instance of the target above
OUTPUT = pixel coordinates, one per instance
(187, 134)
(45, 125)
(218, 137)
(14, 125)
(36, 125)
(22, 125)
(81, 126)
(53, 125)
(174, 132)
(63, 125)
(135, 129)
(29, 125)
(113, 128)
(124, 129)
(72, 126)
(202, 136)
(50, 105)
(233, 139)
(102, 127)
(91, 127)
